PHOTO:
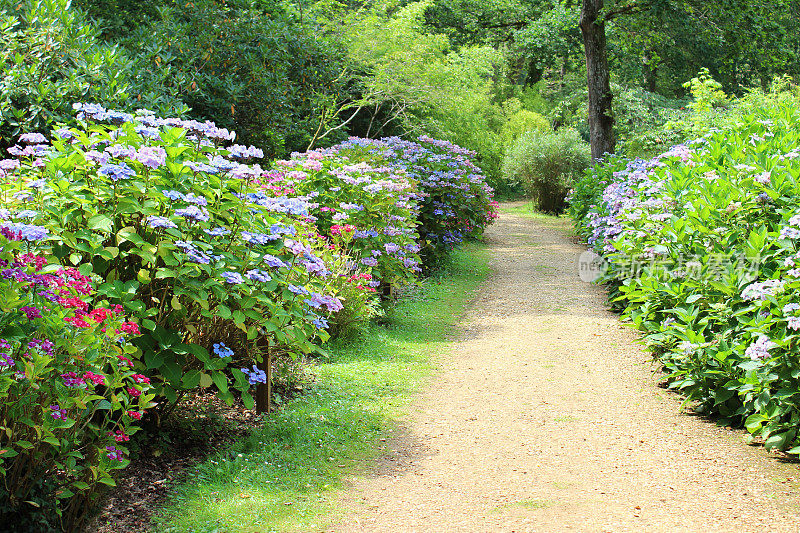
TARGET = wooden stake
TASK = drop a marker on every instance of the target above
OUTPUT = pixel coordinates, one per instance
(264, 391)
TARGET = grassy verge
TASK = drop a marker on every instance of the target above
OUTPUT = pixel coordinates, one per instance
(282, 477)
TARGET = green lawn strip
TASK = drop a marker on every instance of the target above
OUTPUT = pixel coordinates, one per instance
(282, 477)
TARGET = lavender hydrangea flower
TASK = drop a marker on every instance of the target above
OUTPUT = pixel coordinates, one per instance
(790, 232)
(760, 348)
(760, 290)
(117, 172)
(193, 212)
(196, 200)
(151, 156)
(160, 222)
(369, 261)
(32, 138)
(26, 213)
(234, 278)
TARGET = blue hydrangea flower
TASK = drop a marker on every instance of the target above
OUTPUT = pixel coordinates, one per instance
(255, 376)
(274, 262)
(298, 290)
(26, 213)
(258, 275)
(222, 351)
(173, 195)
(26, 232)
(217, 232)
(258, 238)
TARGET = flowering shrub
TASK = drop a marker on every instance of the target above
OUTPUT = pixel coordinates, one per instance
(704, 241)
(69, 395)
(371, 208)
(171, 221)
(455, 201)
(351, 283)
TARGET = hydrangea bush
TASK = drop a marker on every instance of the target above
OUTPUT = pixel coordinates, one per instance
(703, 241)
(168, 213)
(455, 201)
(373, 207)
(70, 397)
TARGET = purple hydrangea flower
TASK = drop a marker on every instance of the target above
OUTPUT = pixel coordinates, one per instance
(114, 453)
(58, 413)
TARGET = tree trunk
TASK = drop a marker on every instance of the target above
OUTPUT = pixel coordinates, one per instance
(601, 121)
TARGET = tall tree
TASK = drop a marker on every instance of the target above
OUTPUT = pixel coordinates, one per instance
(601, 120)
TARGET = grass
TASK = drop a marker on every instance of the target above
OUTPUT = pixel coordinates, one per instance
(525, 504)
(527, 210)
(284, 476)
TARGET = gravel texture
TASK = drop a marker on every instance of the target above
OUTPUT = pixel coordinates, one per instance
(546, 415)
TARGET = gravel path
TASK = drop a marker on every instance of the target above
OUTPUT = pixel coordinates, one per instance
(547, 416)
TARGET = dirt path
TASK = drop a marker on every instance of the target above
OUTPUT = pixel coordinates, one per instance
(546, 416)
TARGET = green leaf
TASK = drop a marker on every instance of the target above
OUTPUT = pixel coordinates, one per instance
(101, 222)
(205, 380)
(247, 400)
(191, 379)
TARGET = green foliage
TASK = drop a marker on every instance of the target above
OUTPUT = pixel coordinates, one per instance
(704, 242)
(69, 398)
(519, 121)
(51, 57)
(247, 66)
(547, 164)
